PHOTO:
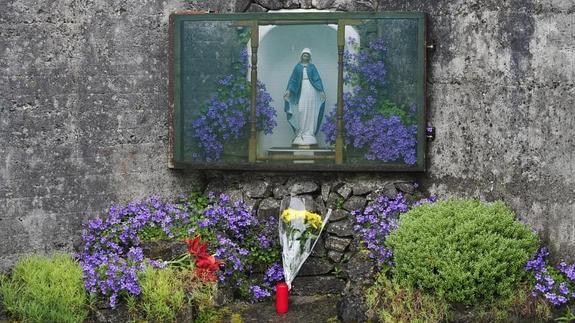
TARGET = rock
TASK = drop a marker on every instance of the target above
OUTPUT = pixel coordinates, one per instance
(325, 190)
(280, 191)
(215, 186)
(105, 314)
(252, 203)
(320, 205)
(322, 4)
(303, 187)
(335, 256)
(319, 248)
(268, 207)
(360, 269)
(337, 243)
(355, 203)
(275, 5)
(345, 191)
(352, 306)
(254, 7)
(235, 195)
(314, 285)
(164, 249)
(342, 228)
(405, 187)
(306, 308)
(315, 266)
(256, 189)
(388, 189)
(241, 5)
(362, 189)
(334, 201)
(338, 214)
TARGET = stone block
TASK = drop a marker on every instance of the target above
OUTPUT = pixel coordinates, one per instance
(337, 243)
(355, 203)
(338, 214)
(405, 187)
(267, 208)
(335, 256)
(303, 187)
(314, 266)
(342, 228)
(317, 285)
(345, 191)
(164, 249)
(256, 189)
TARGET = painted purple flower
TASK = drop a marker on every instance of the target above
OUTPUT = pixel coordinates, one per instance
(381, 134)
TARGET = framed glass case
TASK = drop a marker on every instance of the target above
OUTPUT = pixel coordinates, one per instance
(328, 91)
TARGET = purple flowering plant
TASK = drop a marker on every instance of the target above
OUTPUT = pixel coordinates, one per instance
(555, 284)
(246, 244)
(225, 116)
(378, 219)
(112, 255)
(379, 128)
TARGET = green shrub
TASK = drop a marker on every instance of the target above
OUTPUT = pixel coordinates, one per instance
(390, 302)
(464, 251)
(163, 294)
(45, 289)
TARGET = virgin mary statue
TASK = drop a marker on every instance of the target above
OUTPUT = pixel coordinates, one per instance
(305, 100)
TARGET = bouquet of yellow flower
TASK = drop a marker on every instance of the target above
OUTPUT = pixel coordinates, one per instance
(299, 230)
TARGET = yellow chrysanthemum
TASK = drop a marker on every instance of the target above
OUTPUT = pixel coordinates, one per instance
(314, 219)
(291, 214)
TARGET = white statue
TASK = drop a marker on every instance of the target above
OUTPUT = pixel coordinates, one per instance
(305, 100)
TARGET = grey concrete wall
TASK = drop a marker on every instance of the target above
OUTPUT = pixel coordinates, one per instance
(83, 113)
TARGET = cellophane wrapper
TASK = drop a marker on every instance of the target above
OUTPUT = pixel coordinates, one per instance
(299, 230)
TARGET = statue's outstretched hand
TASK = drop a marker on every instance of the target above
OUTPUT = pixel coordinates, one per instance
(286, 96)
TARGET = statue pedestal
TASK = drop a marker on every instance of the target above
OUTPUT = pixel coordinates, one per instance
(300, 155)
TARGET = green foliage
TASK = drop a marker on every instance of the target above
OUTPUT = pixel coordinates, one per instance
(45, 289)
(464, 251)
(194, 205)
(568, 316)
(389, 109)
(520, 304)
(391, 302)
(163, 294)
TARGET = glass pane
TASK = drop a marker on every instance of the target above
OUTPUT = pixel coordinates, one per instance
(298, 66)
(215, 91)
(381, 93)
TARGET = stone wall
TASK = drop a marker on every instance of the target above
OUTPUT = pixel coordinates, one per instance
(338, 263)
(83, 109)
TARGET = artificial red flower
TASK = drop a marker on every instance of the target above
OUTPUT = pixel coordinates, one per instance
(208, 262)
(196, 247)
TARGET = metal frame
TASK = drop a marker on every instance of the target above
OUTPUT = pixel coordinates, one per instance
(175, 113)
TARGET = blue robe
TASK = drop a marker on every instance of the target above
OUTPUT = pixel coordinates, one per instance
(294, 88)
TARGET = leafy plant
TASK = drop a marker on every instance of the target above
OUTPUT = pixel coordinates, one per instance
(392, 302)
(113, 256)
(520, 304)
(45, 289)
(464, 251)
(163, 294)
(568, 316)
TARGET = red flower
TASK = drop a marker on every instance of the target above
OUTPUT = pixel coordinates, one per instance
(206, 264)
(196, 247)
